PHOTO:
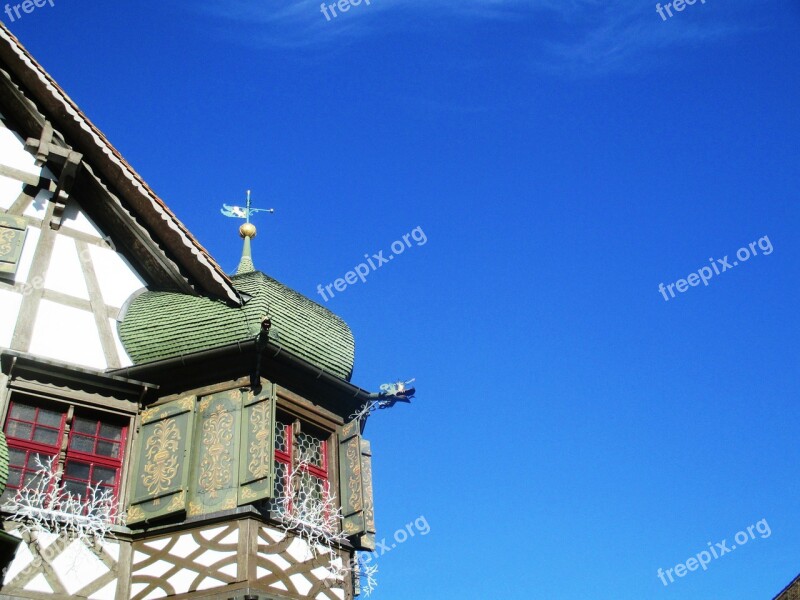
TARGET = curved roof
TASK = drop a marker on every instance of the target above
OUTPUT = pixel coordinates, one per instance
(159, 325)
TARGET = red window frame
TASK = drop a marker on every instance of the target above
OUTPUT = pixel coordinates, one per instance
(31, 447)
(288, 458)
(92, 458)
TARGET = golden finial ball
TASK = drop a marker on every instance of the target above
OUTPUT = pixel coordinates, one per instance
(248, 230)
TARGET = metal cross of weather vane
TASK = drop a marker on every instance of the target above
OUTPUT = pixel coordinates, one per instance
(243, 212)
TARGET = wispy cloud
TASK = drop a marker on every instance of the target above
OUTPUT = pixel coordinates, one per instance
(617, 36)
(592, 36)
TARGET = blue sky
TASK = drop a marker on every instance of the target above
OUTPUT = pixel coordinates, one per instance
(574, 431)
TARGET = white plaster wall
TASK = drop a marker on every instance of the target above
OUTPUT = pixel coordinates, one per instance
(9, 311)
(28, 251)
(75, 218)
(65, 273)
(67, 334)
(38, 207)
(118, 280)
(124, 359)
(10, 190)
(12, 149)
(14, 155)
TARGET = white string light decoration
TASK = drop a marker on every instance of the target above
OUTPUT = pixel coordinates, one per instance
(316, 519)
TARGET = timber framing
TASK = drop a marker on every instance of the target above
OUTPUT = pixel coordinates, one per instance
(153, 235)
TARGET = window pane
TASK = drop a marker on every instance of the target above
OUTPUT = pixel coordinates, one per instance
(77, 470)
(14, 477)
(16, 457)
(49, 417)
(81, 443)
(24, 412)
(82, 425)
(111, 432)
(46, 436)
(76, 488)
(310, 496)
(35, 460)
(104, 475)
(311, 449)
(28, 478)
(108, 449)
(281, 439)
(21, 431)
(311, 488)
(275, 503)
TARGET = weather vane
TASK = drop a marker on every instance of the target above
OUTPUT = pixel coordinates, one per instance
(244, 212)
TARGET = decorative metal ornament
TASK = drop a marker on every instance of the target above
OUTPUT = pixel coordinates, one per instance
(244, 212)
(390, 394)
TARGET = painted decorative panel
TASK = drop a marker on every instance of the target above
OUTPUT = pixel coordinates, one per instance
(257, 464)
(164, 451)
(12, 240)
(355, 486)
(213, 485)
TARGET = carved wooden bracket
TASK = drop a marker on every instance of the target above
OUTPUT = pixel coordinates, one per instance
(47, 151)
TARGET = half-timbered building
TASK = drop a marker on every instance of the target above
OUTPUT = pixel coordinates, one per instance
(132, 364)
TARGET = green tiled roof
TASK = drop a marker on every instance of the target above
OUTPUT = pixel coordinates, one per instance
(161, 325)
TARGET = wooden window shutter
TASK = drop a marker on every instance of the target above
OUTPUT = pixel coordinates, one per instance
(162, 461)
(12, 238)
(355, 487)
(213, 484)
(257, 450)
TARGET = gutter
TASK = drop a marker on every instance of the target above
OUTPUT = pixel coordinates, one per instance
(269, 350)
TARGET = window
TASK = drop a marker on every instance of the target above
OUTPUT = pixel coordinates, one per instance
(94, 455)
(94, 452)
(32, 432)
(303, 450)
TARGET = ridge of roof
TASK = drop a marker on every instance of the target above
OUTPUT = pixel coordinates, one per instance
(171, 230)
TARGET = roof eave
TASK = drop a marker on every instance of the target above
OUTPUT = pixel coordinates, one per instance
(351, 395)
(114, 169)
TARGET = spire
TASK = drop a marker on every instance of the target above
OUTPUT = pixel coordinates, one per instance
(248, 232)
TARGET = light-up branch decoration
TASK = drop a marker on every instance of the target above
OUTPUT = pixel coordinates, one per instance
(368, 575)
(44, 504)
(390, 394)
(317, 520)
